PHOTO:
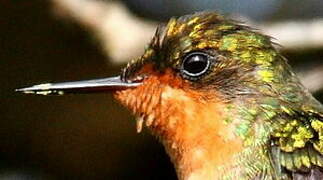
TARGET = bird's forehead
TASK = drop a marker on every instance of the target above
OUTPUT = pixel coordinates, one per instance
(190, 33)
(205, 31)
(181, 35)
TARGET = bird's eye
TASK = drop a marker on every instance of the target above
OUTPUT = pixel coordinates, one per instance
(195, 64)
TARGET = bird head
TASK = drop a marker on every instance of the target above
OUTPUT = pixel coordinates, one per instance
(198, 62)
(205, 86)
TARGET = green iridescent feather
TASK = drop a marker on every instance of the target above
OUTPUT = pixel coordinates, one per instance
(279, 121)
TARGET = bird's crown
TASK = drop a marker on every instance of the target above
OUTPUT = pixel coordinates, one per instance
(209, 51)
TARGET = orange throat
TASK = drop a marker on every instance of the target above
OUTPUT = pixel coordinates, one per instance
(191, 128)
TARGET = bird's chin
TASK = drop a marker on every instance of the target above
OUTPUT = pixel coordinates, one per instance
(143, 102)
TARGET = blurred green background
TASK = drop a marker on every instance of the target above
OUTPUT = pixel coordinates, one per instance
(92, 136)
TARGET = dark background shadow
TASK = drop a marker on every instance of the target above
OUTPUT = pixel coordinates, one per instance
(68, 137)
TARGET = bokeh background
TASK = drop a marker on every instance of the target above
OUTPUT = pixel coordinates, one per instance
(92, 136)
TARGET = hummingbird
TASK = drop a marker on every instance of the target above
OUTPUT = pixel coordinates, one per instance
(221, 99)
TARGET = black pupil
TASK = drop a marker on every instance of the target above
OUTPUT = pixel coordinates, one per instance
(196, 64)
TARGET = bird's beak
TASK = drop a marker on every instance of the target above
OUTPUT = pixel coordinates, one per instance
(87, 86)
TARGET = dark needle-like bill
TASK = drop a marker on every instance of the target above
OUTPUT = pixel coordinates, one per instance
(87, 86)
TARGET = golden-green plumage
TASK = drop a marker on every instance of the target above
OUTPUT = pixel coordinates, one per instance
(280, 122)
